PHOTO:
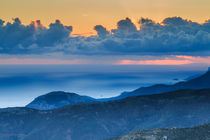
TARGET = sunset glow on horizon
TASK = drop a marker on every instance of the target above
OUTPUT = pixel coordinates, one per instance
(177, 60)
(171, 60)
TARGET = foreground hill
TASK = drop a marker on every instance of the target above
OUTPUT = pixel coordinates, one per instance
(201, 132)
(99, 120)
(200, 82)
(58, 99)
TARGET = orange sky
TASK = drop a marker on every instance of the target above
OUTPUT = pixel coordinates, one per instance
(84, 14)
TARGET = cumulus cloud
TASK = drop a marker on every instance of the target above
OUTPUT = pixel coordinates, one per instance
(34, 38)
(125, 27)
(101, 31)
(174, 35)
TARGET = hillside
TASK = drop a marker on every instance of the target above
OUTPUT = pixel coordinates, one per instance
(99, 120)
(201, 132)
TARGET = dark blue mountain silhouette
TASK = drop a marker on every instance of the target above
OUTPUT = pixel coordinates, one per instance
(200, 82)
(58, 99)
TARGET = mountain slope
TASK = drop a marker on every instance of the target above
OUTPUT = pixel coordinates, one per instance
(99, 120)
(200, 82)
(201, 132)
(58, 99)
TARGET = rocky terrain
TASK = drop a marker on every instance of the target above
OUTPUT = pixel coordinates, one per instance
(201, 132)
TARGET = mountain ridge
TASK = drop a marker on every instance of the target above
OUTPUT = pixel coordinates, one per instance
(41, 102)
(199, 82)
(99, 120)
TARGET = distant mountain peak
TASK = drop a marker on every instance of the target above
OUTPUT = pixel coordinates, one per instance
(199, 82)
(60, 94)
(58, 99)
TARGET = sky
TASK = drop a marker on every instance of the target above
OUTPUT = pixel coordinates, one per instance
(101, 35)
(119, 32)
(83, 15)
(173, 41)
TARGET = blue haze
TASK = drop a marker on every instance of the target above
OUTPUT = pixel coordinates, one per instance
(20, 84)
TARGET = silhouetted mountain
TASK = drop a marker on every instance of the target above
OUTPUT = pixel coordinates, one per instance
(200, 82)
(58, 99)
(201, 132)
(98, 120)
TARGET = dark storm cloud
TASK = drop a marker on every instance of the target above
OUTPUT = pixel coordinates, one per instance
(173, 35)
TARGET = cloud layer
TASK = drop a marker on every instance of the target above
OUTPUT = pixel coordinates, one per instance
(172, 36)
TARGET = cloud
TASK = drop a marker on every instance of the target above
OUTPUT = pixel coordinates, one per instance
(36, 61)
(125, 27)
(170, 60)
(195, 60)
(16, 38)
(101, 31)
(172, 36)
(154, 62)
(56, 59)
